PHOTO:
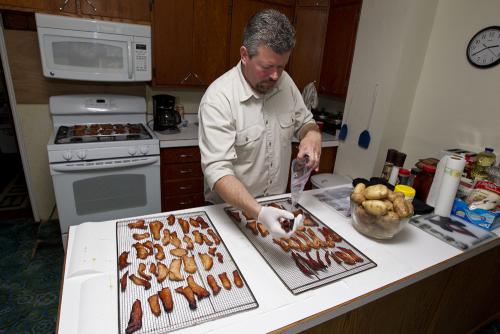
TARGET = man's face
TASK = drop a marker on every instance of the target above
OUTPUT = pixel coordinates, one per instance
(264, 69)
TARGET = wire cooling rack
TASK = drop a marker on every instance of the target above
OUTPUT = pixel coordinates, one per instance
(225, 303)
(283, 263)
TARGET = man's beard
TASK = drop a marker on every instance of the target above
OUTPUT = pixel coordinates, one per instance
(264, 86)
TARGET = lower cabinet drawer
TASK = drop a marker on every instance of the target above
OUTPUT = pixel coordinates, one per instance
(181, 171)
(171, 203)
(183, 187)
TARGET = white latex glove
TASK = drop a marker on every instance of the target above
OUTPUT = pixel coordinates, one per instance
(270, 217)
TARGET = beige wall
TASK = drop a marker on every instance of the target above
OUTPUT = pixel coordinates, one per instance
(36, 127)
(455, 105)
(391, 43)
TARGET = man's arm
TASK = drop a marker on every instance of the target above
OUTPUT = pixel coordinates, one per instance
(310, 144)
(233, 192)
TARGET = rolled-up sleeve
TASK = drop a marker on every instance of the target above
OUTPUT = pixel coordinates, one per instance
(216, 139)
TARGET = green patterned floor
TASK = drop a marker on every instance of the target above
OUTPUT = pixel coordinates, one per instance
(29, 289)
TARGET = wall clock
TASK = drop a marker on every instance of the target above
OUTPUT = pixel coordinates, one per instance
(484, 48)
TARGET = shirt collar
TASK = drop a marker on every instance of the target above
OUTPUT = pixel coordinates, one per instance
(246, 91)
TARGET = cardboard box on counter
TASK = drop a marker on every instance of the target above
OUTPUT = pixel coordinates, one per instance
(487, 219)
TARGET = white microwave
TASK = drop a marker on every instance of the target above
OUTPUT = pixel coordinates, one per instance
(92, 50)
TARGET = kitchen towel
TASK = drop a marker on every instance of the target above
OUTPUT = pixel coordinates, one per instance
(445, 184)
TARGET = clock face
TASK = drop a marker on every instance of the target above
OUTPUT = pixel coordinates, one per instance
(484, 48)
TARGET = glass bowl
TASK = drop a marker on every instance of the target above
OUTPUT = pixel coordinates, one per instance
(383, 227)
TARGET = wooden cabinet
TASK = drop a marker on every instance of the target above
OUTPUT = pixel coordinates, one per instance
(310, 21)
(190, 41)
(243, 11)
(133, 10)
(181, 178)
(339, 47)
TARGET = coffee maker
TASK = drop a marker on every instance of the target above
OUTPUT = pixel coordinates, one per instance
(165, 117)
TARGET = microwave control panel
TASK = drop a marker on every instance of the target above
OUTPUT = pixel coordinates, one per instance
(141, 57)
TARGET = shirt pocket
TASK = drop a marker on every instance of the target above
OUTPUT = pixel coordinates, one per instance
(248, 142)
(286, 122)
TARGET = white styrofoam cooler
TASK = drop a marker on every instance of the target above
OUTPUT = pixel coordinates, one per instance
(325, 180)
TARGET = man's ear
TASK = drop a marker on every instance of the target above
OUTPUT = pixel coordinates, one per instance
(244, 55)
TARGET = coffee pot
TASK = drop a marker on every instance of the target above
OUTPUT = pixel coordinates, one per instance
(166, 118)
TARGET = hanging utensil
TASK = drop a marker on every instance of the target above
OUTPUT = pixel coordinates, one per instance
(364, 137)
(343, 129)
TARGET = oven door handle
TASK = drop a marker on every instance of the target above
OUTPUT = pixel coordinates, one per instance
(76, 167)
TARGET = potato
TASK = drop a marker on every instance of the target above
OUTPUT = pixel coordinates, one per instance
(364, 217)
(403, 207)
(375, 207)
(358, 197)
(360, 187)
(378, 191)
(388, 205)
(389, 222)
(391, 195)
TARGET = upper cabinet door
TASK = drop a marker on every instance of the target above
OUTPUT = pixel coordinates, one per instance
(243, 11)
(172, 41)
(135, 10)
(339, 48)
(212, 31)
(54, 6)
(310, 26)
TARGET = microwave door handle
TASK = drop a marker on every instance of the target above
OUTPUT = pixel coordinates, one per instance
(77, 168)
(130, 59)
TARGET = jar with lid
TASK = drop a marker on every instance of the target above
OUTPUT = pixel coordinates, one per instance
(484, 161)
(423, 182)
(403, 176)
(389, 163)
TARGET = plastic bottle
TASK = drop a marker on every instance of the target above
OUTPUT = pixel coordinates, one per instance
(484, 161)
(423, 182)
(403, 176)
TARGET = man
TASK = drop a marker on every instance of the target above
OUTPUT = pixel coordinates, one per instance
(248, 118)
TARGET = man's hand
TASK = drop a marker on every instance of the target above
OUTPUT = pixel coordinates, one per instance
(310, 145)
(270, 217)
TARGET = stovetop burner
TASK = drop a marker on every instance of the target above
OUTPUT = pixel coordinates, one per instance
(89, 133)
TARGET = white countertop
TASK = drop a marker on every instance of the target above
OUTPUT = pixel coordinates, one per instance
(189, 137)
(411, 256)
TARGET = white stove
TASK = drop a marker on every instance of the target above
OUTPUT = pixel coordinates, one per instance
(103, 158)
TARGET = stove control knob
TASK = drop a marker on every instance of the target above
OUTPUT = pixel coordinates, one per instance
(132, 150)
(144, 149)
(82, 154)
(68, 155)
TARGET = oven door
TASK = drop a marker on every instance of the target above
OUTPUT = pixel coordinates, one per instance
(106, 189)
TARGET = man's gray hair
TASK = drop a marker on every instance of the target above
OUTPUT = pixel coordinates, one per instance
(269, 28)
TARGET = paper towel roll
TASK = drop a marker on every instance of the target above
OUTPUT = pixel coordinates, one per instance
(436, 182)
(449, 185)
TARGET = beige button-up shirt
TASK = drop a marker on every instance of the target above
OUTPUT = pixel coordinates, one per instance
(245, 134)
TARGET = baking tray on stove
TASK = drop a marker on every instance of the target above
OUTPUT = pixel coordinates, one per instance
(284, 264)
(225, 303)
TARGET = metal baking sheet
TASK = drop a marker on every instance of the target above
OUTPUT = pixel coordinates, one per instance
(284, 265)
(225, 303)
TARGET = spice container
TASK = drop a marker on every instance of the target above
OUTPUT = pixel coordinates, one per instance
(408, 191)
(413, 173)
(399, 161)
(389, 163)
(423, 182)
(403, 176)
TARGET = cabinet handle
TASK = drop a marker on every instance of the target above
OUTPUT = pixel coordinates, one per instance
(61, 8)
(185, 78)
(91, 5)
(185, 188)
(185, 171)
(183, 156)
(198, 78)
(184, 203)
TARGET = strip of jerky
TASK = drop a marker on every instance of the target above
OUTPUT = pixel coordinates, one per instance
(166, 299)
(135, 320)
(189, 295)
(198, 290)
(123, 281)
(140, 223)
(237, 279)
(154, 305)
(213, 285)
(226, 283)
(123, 260)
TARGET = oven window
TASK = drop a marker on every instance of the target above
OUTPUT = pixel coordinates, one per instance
(88, 54)
(109, 193)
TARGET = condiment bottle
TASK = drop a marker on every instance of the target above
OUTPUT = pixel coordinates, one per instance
(389, 163)
(398, 163)
(423, 182)
(484, 161)
(413, 173)
(403, 176)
